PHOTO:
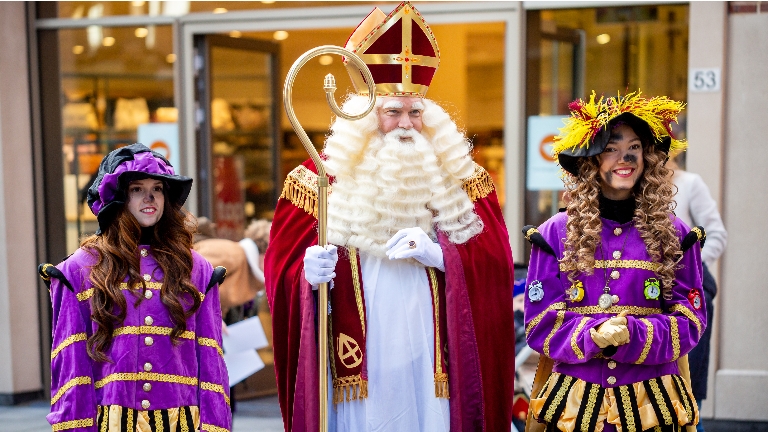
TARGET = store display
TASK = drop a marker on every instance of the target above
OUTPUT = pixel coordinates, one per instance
(80, 115)
(130, 113)
(221, 116)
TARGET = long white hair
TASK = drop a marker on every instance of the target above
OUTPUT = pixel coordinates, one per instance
(383, 185)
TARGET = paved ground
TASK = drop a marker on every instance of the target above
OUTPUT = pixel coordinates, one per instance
(257, 415)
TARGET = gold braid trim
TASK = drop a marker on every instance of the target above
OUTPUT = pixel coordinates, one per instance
(648, 341)
(85, 295)
(154, 330)
(675, 338)
(530, 232)
(67, 342)
(441, 378)
(44, 276)
(158, 420)
(356, 285)
(660, 401)
(688, 313)
(204, 341)
(575, 335)
(627, 264)
(634, 310)
(71, 383)
(300, 188)
(627, 403)
(539, 317)
(72, 424)
(145, 376)
(211, 428)
(349, 388)
(478, 185)
(441, 386)
(215, 388)
(558, 323)
(594, 389)
(699, 234)
(564, 389)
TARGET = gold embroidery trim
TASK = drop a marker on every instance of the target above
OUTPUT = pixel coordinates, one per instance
(215, 388)
(153, 330)
(159, 420)
(130, 416)
(648, 341)
(558, 323)
(660, 401)
(675, 337)
(699, 234)
(145, 376)
(574, 337)
(478, 185)
(687, 398)
(539, 317)
(211, 428)
(627, 264)
(356, 285)
(72, 424)
(558, 397)
(688, 313)
(530, 232)
(182, 420)
(71, 383)
(67, 342)
(624, 392)
(594, 389)
(45, 276)
(204, 341)
(300, 188)
(85, 295)
(441, 378)
(634, 310)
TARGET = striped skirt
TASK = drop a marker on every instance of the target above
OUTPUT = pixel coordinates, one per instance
(568, 404)
(114, 418)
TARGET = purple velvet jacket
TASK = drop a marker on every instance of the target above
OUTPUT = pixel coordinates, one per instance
(559, 327)
(147, 371)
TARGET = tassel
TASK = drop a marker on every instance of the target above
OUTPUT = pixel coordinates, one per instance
(349, 389)
(479, 185)
(441, 385)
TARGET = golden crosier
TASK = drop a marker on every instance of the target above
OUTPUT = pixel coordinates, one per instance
(322, 185)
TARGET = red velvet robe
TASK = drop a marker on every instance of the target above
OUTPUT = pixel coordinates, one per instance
(479, 282)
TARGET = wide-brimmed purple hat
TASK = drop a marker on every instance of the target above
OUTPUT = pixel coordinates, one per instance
(107, 194)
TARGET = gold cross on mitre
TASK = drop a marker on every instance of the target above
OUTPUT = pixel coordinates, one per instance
(399, 49)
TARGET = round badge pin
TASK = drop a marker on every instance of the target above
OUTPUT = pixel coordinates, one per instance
(535, 291)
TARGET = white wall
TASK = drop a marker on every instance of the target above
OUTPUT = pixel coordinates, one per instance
(19, 322)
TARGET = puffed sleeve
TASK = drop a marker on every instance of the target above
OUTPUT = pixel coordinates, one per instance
(73, 396)
(550, 329)
(662, 338)
(213, 390)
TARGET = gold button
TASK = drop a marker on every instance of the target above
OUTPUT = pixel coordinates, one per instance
(611, 364)
(147, 367)
(616, 254)
(148, 341)
(144, 252)
(145, 404)
(615, 274)
(617, 231)
(148, 320)
(147, 387)
(611, 380)
(147, 294)
(147, 277)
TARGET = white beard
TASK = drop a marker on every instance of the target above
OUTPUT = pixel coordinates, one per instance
(396, 185)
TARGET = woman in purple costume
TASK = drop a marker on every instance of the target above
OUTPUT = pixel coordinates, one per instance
(613, 294)
(136, 316)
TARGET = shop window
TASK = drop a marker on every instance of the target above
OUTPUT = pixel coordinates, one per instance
(571, 52)
(116, 89)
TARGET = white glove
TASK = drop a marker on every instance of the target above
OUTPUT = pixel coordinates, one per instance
(415, 243)
(319, 264)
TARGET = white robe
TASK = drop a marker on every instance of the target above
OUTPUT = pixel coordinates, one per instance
(400, 349)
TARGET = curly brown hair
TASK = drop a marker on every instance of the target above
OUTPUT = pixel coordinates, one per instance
(653, 198)
(118, 261)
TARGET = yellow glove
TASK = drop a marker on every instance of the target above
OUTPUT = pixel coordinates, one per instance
(612, 332)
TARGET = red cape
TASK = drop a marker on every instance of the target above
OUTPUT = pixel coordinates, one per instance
(481, 348)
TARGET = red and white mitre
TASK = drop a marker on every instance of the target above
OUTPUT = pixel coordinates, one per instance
(399, 49)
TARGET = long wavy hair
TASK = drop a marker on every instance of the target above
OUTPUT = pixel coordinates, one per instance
(653, 195)
(118, 261)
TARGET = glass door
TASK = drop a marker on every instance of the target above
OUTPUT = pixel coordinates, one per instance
(236, 99)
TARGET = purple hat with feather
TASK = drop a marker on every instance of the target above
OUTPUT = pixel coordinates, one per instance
(107, 194)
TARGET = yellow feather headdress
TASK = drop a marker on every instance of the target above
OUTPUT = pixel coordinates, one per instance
(588, 119)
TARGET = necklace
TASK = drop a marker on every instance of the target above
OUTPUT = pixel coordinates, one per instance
(606, 300)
